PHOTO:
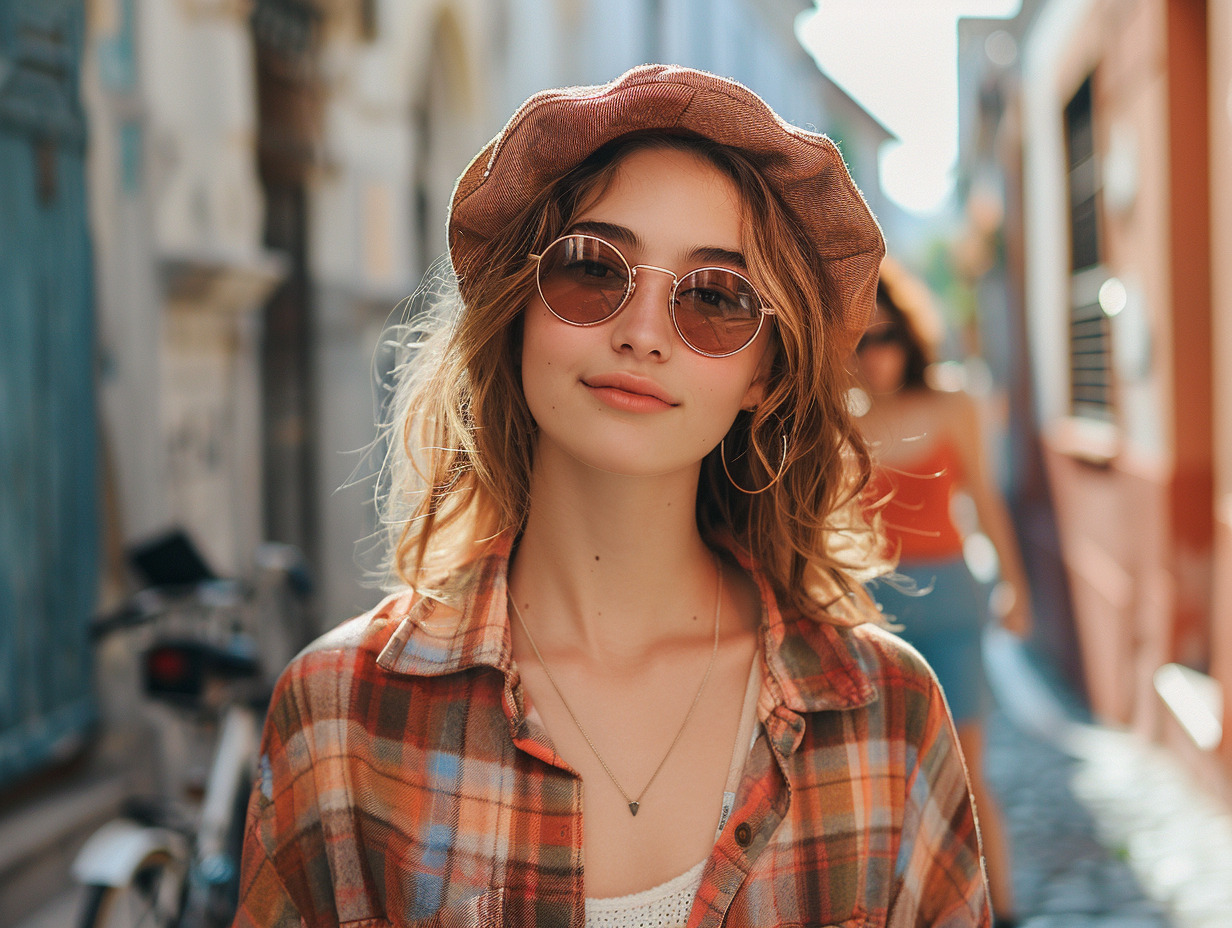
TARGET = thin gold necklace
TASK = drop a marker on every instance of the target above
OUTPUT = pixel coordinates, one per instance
(635, 802)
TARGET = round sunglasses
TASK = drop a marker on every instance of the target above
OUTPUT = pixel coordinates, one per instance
(881, 334)
(585, 280)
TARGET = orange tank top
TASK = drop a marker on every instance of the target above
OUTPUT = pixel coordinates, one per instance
(915, 504)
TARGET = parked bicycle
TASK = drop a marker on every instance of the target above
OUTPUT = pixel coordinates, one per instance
(172, 861)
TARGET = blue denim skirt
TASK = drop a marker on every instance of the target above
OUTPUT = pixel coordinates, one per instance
(942, 611)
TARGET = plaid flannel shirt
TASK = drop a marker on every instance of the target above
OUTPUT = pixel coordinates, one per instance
(402, 784)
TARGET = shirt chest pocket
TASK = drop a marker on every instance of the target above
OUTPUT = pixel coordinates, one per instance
(487, 910)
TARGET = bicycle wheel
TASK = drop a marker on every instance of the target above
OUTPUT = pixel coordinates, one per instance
(213, 892)
(152, 900)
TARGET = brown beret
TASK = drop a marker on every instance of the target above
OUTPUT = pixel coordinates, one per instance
(555, 130)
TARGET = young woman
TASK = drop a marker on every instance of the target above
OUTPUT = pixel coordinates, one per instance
(630, 679)
(928, 443)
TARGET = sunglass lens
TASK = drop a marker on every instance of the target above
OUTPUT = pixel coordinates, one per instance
(582, 280)
(880, 335)
(717, 311)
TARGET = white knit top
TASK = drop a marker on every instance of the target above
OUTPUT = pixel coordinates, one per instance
(665, 906)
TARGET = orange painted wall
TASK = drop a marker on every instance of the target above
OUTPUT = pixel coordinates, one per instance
(1113, 525)
(1220, 112)
(1192, 490)
(1113, 518)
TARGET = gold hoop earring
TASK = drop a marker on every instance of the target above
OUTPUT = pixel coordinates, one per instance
(777, 477)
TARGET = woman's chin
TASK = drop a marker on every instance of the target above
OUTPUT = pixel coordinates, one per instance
(643, 469)
(627, 464)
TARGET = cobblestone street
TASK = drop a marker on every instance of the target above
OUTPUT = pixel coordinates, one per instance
(1107, 831)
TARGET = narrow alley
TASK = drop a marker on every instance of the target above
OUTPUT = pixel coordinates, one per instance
(1107, 830)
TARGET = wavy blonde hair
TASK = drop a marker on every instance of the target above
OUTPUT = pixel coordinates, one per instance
(462, 440)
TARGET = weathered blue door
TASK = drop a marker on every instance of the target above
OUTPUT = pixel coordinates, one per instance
(48, 447)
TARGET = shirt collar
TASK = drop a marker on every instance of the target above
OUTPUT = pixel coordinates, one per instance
(813, 666)
(464, 625)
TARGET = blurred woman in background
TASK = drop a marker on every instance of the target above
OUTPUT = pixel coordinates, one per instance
(928, 444)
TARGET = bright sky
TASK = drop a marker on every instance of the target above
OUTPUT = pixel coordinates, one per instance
(899, 58)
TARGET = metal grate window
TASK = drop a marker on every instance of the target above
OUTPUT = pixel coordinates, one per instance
(1089, 347)
(1089, 330)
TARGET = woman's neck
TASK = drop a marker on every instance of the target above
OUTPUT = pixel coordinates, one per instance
(612, 564)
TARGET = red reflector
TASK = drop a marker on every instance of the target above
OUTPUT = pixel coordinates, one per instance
(169, 664)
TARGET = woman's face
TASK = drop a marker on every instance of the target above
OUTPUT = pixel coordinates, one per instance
(628, 396)
(882, 356)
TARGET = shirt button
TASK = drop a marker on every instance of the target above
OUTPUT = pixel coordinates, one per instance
(744, 834)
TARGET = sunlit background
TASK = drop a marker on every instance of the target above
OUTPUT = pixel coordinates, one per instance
(900, 60)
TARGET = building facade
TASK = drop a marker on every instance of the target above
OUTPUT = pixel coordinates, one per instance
(182, 272)
(1110, 145)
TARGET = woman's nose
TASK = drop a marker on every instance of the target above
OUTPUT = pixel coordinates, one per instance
(644, 325)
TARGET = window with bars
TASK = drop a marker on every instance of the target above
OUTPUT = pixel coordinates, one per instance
(1089, 329)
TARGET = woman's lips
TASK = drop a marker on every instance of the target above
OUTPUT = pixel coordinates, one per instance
(629, 393)
(629, 402)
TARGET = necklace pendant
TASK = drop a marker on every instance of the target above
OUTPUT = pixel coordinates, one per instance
(633, 807)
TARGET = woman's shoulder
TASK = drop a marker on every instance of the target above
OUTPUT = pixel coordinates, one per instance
(367, 630)
(865, 652)
(347, 649)
(909, 706)
(888, 660)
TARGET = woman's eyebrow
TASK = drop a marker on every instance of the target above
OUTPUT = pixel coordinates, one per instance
(710, 255)
(622, 235)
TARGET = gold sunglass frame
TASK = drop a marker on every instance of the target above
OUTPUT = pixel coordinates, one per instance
(763, 309)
